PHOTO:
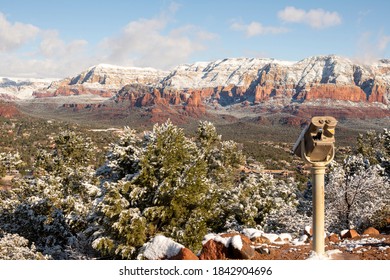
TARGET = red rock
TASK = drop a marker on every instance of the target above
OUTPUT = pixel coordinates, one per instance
(261, 240)
(146, 100)
(336, 92)
(238, 247)
(185, 254)
(8, 110)
(371, 231)
(350, 234)
(377, 94)
(334, 238)
(246, 252)
(213, 250)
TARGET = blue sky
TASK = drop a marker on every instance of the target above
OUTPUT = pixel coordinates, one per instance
(44, 38)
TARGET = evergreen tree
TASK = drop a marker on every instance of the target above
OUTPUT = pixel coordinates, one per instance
(167, 183)
(376, 148)
(356, 191)
(164, 186)
(51, 210)
(16, 247)
(10, 162)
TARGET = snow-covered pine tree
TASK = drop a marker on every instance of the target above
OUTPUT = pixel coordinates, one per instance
(385, 157)
(16, 247)
(355, 193)
(268, 203)
(183, 188)
(51, 210)
(9, 162)
(123, 157)
(376, 148)
(164, 186)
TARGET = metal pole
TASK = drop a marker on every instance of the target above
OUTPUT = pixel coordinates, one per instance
(318, 174)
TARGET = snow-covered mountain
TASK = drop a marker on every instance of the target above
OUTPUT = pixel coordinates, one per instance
(20, 88)
(104, 80)
(336, 77)
(111, 75)
(224, 82)
(233, 71)
(241, 71)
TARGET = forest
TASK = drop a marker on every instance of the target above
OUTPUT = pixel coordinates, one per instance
(71, 192)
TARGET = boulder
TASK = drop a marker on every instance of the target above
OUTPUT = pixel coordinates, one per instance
(184, 254)
(350, 234)
(371, 231)
(334, 238)
(213, 250)
(240, 246)
(160, 248)
(261, 240)
(227, 246)
(308, 231)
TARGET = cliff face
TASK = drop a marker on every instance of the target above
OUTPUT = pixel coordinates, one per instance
(190, 89)
(230, 81)
(19, 88)
(259, 80)
(103, 80)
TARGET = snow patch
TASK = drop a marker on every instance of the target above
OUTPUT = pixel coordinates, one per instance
(161, 247)
(271, 236)
(22, 88)
(343, 232)
(252, 232)
(217, 238)
(285, 236)
(236, 242)
(327, 256)
(300, 241)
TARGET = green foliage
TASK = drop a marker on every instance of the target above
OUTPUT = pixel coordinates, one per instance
(10, 162)
(183, 188)
(356, 191)
(52, 208)
(170, 184)
(15, 247)
(159, 182)
(375, 147)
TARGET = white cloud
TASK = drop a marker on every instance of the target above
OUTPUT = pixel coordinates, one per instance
(16, 65)
(149, 42)
(371, 47)
(53, 46)
(15, 35)
(256, 28)
(315, 18)
(383, 42)
(29, 51)
(26, 50)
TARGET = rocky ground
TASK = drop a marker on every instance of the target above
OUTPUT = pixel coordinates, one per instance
(359, 248)
(252, 244)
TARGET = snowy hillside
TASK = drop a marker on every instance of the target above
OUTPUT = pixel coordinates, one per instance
(255, 80)
(21, 88)
(242, 71)
(103, 80)
(105, 74)
(236, 71)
